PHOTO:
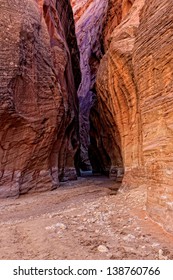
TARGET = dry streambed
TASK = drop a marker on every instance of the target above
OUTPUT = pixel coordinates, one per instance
(82, 219)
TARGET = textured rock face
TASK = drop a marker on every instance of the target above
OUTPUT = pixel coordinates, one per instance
(116, 11)
(134, 104)
(153, 68)
(95, 22)
(89, 17)
(111, 121)
(38, 103)
(59, 19)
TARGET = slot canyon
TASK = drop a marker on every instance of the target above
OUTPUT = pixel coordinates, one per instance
(86, 129)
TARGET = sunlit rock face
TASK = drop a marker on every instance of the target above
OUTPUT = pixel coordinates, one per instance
(89, 17)
(116, 11)
(134, 103)
(38, 100)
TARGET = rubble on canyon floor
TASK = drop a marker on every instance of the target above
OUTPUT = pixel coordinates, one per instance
(82, 219)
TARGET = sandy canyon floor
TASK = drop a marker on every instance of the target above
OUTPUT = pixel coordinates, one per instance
(83, 219)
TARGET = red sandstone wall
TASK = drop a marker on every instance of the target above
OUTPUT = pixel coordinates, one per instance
(134, 93)
(110, 117)
(38, 103)
(153, 68)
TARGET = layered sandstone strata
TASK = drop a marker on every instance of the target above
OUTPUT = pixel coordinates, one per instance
(95, 20)
(38, 101)
(134, 104)
(153, 69)
(116, 11)
(110, 118)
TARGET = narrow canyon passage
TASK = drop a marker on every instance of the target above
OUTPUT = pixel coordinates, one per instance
(86, 129)
(82, 219)
(100, 147)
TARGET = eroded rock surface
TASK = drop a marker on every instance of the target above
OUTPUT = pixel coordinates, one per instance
(153, 68)
(38, 101)
(111, 121)
(95, 22)
(89, 17)
(116, 11)
(134, 104)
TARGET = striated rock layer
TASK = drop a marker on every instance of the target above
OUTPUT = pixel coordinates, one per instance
(109, 118)
(134, 104)
(116, 11)
(153, 68)
(38, 101)
(95, 20)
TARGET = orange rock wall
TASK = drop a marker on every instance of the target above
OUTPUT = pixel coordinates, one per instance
(134, 94)
(153, 68)
(109, 116)
(38, 101)
(116, 11)
(95, 21)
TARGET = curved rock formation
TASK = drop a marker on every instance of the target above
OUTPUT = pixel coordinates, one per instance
(111, 121)
(95, 22)
(134, 104)
(38, 101)
(116, 11)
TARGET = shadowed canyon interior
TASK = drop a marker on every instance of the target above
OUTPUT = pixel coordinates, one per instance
(87, 85)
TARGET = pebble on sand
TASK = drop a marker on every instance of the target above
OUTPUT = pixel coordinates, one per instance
(102, 249)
